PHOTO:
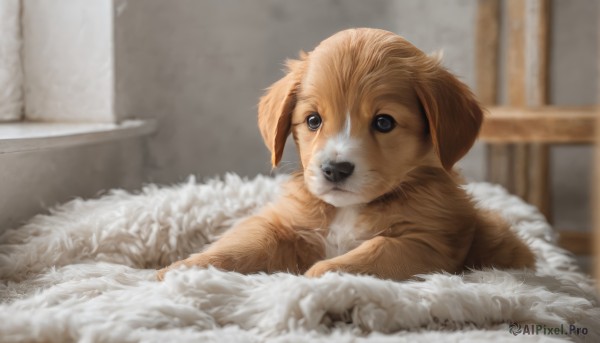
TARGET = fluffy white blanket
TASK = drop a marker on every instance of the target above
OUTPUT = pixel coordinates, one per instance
(85, 273)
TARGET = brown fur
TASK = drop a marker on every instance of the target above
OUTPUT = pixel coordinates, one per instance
(412, 213)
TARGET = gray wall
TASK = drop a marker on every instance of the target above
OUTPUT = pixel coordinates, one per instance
(200, 66)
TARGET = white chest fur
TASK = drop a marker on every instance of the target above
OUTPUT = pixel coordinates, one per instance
(345, 233)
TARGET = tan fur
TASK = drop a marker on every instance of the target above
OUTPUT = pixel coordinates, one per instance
(411, 213)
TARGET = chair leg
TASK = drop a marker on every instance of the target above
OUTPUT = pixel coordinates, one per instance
(499, 164)
(539, 192)
(524, 170)
(521, 165)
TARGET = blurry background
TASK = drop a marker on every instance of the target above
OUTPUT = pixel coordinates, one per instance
(199, 67)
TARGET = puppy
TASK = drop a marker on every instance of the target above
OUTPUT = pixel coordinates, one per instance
(378, 126)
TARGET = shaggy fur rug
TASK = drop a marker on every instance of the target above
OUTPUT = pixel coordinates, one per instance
(85, 272)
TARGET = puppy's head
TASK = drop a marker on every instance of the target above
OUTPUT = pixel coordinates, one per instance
(365, 108)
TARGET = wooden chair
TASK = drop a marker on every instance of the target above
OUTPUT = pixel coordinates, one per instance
(519, 133)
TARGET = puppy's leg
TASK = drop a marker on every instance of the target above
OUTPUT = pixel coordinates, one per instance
(495, 245)
(396, 258)
(258, 244)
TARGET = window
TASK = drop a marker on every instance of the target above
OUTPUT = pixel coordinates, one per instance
(57, 60)
(57, 68)
(11, 75)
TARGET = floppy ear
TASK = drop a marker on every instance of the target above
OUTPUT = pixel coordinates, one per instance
(276, 106)
(453, 113)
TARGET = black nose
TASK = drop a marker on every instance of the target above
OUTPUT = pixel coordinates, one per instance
(337, 171)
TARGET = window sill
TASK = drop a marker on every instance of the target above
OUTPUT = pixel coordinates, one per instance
(35, 136)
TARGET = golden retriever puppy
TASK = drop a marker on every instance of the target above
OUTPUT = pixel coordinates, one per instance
(378, 125)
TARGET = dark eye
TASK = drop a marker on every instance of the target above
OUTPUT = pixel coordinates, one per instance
(313, 121)
(383, 123)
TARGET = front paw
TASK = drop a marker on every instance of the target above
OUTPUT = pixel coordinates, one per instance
(321, 268)
(160, 274)
(202, 260)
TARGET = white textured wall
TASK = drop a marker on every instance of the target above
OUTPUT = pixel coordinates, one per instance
(11, 77)
(68, 60)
